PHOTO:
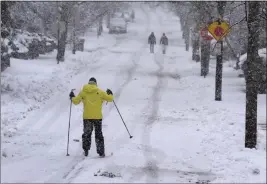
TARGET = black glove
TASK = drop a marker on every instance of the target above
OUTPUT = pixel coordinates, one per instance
(109, 92)
(71, 95)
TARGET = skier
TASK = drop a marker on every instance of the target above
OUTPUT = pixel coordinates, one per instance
(164, 42)
(92, 98)
(152, 41)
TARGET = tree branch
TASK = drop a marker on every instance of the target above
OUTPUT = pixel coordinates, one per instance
(237, 6)
(264, 16)
(237, 22)
(233, 26)
(201, 9)
(35, 11)
(98, 16)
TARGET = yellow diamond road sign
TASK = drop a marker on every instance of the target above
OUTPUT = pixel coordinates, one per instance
(219, 29)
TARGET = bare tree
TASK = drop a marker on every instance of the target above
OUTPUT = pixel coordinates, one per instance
(45, 11)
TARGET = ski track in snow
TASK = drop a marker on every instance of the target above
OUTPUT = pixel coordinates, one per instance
(151, 169)
(77, 168)
(56, 108)
(135, 58)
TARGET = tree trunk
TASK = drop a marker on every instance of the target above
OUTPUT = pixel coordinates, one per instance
(45, 27)
(205, 57)
(108, 20)
(187, 37)
(5, 13)
(99, 27)
(62, 41)
(252, 78)
(182, 22)
(74, 37)
(195, 46)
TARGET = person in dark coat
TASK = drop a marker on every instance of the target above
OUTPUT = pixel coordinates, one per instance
(164, 43)
(152, 42)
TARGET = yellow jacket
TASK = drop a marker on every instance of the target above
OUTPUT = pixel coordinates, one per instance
(92, 98)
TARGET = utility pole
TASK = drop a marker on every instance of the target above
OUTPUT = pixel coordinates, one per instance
(219, 57)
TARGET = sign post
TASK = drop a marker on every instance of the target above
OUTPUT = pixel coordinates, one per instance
(219, 29)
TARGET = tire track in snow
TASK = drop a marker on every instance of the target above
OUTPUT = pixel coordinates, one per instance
(74, 169)
(151, 168)
(53, 117)
(151, 164)
(130, 73)
(135, 59)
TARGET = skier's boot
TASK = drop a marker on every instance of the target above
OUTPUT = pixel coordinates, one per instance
(102, 155)
(86, 153)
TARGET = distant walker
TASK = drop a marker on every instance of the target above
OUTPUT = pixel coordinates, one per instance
(152, 41)
(164, 43)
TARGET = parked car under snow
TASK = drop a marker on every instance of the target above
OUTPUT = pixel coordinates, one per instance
(262, 69)
(117, 25)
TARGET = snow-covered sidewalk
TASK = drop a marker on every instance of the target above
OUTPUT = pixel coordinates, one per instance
(180, 133)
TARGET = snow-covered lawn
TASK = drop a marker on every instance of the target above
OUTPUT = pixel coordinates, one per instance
(180, 133)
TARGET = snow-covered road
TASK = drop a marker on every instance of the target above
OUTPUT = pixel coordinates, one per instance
(180, 134)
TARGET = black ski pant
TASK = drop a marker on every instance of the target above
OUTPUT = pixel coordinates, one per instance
(151, 48)
(88, 126)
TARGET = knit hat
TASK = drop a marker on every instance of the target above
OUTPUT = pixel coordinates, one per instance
(92, 80)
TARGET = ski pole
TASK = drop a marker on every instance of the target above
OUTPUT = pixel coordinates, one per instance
(69, 127)
(122, 120)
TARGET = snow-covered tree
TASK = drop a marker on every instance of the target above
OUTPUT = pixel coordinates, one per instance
(64, 21)
(253, 63)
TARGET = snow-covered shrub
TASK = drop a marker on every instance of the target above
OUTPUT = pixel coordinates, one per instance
(26, 45)
(5, 56)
